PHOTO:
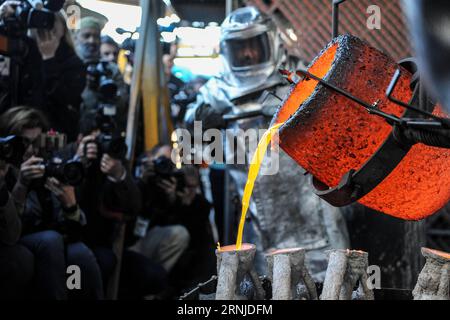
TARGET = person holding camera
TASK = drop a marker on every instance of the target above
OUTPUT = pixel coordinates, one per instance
(110, 197)
(162, 238)
(16, 261)
(51, 217)
(51, 76)
(105, 89)
(173, 228)
(109, 49)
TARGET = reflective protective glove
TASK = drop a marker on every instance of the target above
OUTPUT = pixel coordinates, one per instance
(210, 117)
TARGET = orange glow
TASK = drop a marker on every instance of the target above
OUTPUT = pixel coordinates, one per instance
(244, 247)
(304, 89)
(418, 187)
(283, 251)
(328, 134)
(438, 253)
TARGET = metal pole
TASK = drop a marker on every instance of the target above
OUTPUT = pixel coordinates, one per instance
(226, 197)
(226, 192)
(228, 7)
(151, 77)
(136, 83)
(335, 26)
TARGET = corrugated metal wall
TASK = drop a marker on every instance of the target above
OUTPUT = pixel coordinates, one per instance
(309, 21)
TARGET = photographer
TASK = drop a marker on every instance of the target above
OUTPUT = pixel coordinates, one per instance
(179, 235)
(51, 216)
(105, 84)
(16, 261)
(166, 240)
(109, 49)
(109, 196)
(51, 76)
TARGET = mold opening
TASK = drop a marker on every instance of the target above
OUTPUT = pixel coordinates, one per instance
(231, 248)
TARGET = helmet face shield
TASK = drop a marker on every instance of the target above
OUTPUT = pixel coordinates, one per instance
(250, 49)
(241, 53)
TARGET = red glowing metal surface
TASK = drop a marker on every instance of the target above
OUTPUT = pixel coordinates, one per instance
(418, 187)
(328, 135)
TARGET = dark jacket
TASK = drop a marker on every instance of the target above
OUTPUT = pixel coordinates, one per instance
(104, 202)
(53, 86)
(91, 99)
(10, 225)
(157, 208)
(156, 205)
(42, 211)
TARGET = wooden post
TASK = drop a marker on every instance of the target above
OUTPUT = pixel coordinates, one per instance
(433, 282)
(345, 269)
(287, 270)
(232, 266)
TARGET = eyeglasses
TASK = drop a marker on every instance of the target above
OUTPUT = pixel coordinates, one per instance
(35, 143)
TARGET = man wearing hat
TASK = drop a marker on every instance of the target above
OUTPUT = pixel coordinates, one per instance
(87, 39)
(88, 43)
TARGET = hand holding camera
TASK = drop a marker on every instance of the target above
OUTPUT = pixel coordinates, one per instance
(147, 170)
(88, 148)
(48, 42)
(64, 193)
(30, 170)
(169, 186)
(163, 173)
(186, 196)
(112, 167)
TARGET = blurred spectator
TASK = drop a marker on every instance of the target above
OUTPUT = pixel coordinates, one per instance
(51, 216)
(88, 39)
(165, 240)
(173, 83)
(51, 76)
(17, 262)
(100, 76)
(109, 49)
(178, 234)
(110, 197)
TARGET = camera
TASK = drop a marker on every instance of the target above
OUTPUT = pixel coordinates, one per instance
(112, 145)
(12, 150)
(166, 169)
(68, 173)
(101, 80)
(29, 14)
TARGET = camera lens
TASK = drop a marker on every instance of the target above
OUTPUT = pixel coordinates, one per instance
(164, 166)
(70, 173)
(7, 151)
(108, 88)
(12, 149)
(73, 173)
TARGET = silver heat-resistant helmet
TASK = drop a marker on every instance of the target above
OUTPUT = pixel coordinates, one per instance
(251, 48)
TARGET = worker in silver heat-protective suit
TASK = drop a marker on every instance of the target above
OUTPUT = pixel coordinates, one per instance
(284, 212)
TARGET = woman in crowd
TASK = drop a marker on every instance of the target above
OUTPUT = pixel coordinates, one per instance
(16, 261)
(51, 217)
